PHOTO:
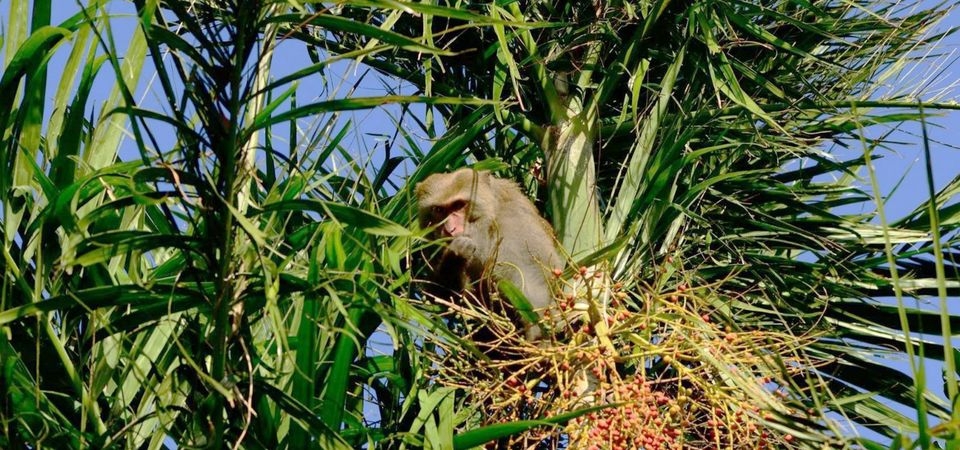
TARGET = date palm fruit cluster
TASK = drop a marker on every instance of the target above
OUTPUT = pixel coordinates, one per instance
(653, 370)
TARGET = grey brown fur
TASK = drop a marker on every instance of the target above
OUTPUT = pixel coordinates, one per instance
(504, 236)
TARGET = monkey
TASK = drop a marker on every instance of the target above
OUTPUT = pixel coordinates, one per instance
(495, 233)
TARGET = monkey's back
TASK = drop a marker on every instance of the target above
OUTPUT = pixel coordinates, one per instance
(526, 239)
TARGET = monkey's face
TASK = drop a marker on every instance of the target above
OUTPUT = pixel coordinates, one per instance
(457, 204)
(452, 218)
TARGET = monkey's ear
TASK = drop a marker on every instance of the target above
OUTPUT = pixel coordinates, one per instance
(420, 189)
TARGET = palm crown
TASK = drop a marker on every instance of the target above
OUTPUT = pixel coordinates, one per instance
(225, 283)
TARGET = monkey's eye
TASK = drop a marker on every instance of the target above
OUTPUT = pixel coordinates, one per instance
(457, 205)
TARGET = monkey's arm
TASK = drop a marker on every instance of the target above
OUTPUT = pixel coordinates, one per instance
(467, 255)
(463, 260)
(450, 272)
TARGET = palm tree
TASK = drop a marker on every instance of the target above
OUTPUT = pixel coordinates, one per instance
(700, 133)
(222, 285)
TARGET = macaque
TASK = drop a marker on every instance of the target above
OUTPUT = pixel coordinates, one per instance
(494, 233)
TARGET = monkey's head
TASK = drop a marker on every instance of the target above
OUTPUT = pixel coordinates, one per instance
(455, 200)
